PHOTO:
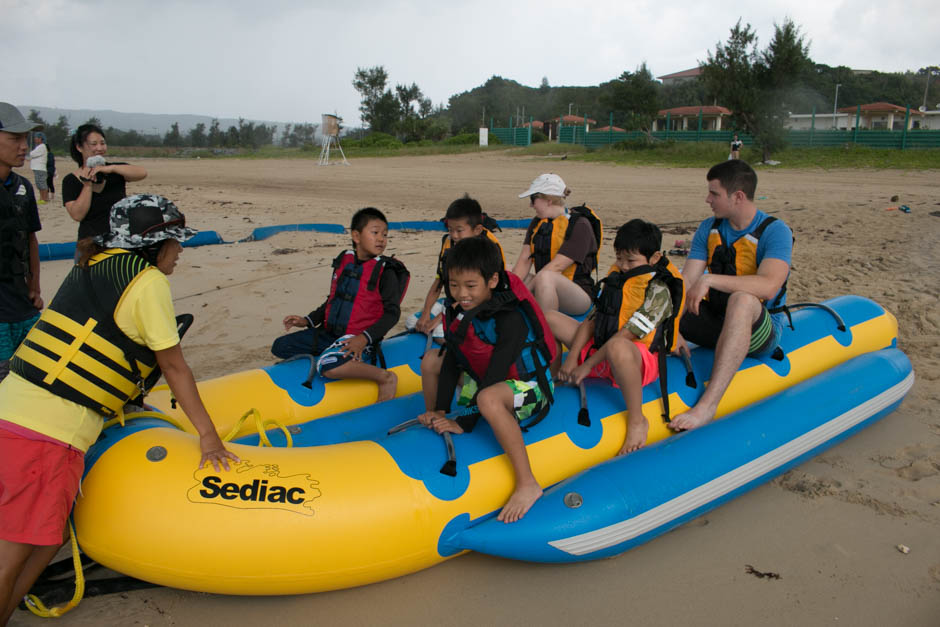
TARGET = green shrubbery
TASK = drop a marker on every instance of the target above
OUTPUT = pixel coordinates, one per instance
(380, 140)
(642, 143)
(463, 139)
(538, 137)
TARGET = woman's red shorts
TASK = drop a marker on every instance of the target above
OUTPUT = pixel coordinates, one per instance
(38, 484)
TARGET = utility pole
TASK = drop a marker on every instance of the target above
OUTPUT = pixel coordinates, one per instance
(930, 71)
(835, 104)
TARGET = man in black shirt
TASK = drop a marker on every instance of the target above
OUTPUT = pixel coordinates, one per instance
(20, 299)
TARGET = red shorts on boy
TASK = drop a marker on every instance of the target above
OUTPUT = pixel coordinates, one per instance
(649, 366)
(38, 484)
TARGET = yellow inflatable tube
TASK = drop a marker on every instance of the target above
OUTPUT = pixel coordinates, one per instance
(322, 517)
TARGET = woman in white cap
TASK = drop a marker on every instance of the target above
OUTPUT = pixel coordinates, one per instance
(110, 325)
(560, 250)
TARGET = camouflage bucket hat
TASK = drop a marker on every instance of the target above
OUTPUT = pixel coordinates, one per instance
(145, 219)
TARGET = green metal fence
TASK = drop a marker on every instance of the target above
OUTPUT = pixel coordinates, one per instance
(916, 138)
(875, 139)
(513, 135)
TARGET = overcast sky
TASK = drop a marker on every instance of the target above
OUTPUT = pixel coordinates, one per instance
(291, 60)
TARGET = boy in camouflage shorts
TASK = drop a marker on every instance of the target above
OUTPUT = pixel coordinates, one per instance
(614, 341)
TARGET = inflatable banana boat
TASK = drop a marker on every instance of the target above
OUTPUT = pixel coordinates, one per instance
(348, 504)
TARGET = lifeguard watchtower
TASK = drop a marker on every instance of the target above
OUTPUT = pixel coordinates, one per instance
(329, 129)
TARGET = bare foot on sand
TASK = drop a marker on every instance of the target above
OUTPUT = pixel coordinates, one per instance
(692, 419)
(388, 386)
(520, 502)
(637, 431)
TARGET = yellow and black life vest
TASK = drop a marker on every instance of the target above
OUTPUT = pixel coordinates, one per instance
(620, 294)
(738, 259)
(76, 350)
(447, 244)
(549, 235)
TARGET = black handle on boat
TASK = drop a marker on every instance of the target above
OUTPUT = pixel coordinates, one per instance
(403, 426)
(183, 322)
(840, 323)
(450, 466)
(584, 418)
(686, 356)
(308, 382)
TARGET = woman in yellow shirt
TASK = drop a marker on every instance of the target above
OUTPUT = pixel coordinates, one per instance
(109, 326)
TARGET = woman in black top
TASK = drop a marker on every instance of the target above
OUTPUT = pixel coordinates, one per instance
(89, 192)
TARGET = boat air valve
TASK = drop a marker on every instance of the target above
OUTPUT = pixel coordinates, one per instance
(156, 453)
(573, 500)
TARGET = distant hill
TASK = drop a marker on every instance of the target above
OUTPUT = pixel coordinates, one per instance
(144, 123)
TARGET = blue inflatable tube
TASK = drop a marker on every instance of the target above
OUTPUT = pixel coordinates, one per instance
(66, 250)
(629, 500)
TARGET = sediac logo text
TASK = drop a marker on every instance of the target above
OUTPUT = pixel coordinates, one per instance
(255, 487)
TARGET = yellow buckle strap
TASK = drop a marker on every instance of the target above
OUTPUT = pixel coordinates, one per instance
(39, 609)
(260, 425)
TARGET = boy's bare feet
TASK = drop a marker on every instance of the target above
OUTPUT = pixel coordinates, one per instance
(388, 386)
(637, 431)
(520, 502)
(692, 419)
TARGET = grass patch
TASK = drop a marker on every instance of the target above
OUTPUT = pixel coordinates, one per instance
(306, 152)
(663, 153)
(706, 154)
(550, 149)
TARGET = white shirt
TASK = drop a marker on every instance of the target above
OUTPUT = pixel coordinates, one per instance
(37, 158)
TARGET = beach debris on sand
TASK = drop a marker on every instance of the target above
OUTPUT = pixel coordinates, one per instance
(903, 548)
(750, 570)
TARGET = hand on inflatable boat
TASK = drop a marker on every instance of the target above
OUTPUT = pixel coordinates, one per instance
(214, 451)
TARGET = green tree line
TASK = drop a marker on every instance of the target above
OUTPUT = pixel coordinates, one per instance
(244, 135)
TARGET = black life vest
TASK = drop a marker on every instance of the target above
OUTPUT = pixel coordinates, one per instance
(14, 235)
(77, 351)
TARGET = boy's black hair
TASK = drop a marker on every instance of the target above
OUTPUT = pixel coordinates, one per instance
(365, 215)
(639, 236)
(734, 175)
(465, 208)
(478, 254)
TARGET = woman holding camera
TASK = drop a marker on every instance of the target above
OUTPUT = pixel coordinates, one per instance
(90, 191)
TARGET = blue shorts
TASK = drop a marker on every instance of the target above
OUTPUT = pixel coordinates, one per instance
(12, 334)
(317, 342)
(333, 356)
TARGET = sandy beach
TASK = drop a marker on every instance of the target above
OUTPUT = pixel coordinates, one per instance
(829, 528)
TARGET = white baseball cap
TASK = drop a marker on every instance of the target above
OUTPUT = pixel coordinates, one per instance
(550, 184)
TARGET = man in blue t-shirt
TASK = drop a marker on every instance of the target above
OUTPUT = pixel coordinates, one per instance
(20, 300)
(735, 306)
